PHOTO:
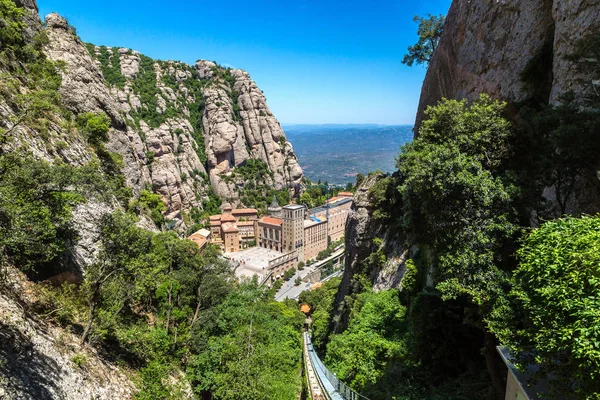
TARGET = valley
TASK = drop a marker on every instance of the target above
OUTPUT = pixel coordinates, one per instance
(337, 153)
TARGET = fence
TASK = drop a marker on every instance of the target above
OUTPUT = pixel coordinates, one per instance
(344, 390)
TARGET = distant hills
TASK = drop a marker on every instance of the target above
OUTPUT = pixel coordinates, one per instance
(337, 152)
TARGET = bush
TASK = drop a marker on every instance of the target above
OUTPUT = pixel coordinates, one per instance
(95, 127)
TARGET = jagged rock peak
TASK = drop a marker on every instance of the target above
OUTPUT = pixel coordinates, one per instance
(488, 45)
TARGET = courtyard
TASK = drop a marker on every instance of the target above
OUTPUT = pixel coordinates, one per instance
(252, 261)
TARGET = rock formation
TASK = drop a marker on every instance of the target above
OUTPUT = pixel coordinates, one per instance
(157, 136)
(238, 125)
(181, 131)
(487, 46)
(42, 361)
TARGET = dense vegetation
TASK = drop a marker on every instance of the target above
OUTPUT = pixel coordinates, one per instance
(151, 302)
(257, 192)
(536, 295)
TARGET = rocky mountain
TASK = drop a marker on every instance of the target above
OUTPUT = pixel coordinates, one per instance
(181, 130)
(512, 50)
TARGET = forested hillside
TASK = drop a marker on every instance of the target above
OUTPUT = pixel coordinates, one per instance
(486, 233)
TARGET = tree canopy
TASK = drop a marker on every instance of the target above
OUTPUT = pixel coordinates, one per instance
(430, 30)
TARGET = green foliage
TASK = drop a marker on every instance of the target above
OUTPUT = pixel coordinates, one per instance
(456, 162)
(36, 204)
(110, 64)
(80, 360)
(301, 265)
(95, 127)
(330, 249)
(385, 198)
(359, 356)
(256, 191)
(320, 301)
(150, 204)
(11, 30)
(554, 322)
(430, 30)
(288, 274)
(248, 348)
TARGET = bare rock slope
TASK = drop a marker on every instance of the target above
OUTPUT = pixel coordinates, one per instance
(488, 46)
(179, 128)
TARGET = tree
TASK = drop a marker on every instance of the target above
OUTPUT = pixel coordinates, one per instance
(248, 348)
(458, 204)
(554, 319)
(36, 203)
(373, 339)
(430, 31)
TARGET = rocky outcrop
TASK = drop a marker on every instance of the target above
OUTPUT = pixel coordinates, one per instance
(494, 46)
(42, 361)
(238, 125)
(162, 137)
(361, 230)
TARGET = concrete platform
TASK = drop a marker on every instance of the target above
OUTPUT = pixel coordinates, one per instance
(253, 261)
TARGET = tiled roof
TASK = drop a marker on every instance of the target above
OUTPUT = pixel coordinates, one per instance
(227, 218)
(198, 239)
(245, 211)
(215, 217)
(203, 232)
(346, 194)
(271, 221)
(230, 228)
(245, 223)
(215, 223)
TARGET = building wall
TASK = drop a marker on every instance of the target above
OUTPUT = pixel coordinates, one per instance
(315, 240)
(293, 229)
(232, 242)
(269, 236)
(288, 261)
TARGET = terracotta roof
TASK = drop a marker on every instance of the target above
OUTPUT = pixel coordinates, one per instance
(346, 194)
(334, 199)
(305, 308)
(245, 223)
(198, 239)
(244, 211)
(271, 221)
(215, 223)
(215, 217)
(230, 228)
(227, 218)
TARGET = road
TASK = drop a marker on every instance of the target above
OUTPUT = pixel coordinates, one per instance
(290, 291)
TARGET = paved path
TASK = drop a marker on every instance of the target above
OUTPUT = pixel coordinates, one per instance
(289, 290)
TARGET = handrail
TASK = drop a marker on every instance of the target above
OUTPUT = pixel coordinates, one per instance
(340, 387)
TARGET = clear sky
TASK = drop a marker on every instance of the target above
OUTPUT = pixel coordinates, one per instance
(317, 61)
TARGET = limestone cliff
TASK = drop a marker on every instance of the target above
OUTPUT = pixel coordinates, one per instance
(179, 131)
(488, 46)
(178, 128)
(365, 235)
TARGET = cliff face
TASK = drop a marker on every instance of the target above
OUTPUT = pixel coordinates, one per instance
(178, 128)
(365, 235)
(179, 131)
(238, 126)
(488, 46)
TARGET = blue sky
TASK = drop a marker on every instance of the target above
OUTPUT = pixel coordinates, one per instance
(318, 61)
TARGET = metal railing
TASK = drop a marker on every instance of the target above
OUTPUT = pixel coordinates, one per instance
(344, 390)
